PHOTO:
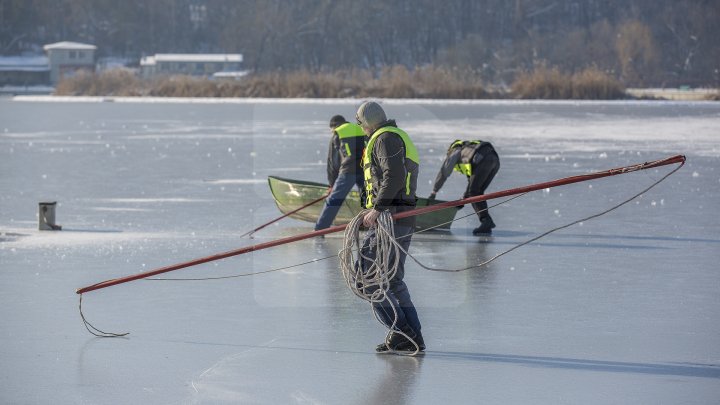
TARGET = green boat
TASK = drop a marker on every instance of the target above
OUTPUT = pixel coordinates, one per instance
(291, 194)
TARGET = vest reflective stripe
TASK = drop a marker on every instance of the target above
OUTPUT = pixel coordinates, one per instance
(410, 153)
(346, 131)
(456, 143)
(465, 167)
(368, 185)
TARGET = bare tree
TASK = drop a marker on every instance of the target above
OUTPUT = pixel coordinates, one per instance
(637, 52)
(644, 41)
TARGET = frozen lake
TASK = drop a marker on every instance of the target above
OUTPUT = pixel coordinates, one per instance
(622, 309)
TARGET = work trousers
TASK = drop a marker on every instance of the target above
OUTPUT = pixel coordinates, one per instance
(397, 297)
(342, 187)
(483, 172)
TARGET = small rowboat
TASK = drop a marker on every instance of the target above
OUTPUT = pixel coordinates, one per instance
(291, 194)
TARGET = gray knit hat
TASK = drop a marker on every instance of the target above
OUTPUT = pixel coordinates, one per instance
(370, 115)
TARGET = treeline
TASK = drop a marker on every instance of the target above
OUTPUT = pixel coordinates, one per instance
(390, 82)
(640, 42)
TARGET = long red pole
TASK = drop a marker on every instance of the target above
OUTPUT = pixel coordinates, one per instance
(424, 210)
(539, 186)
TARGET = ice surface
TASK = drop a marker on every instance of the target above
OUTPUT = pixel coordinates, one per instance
(620, 309)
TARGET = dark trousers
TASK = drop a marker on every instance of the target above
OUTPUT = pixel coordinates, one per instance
(483, 173)
(398, 296)
(342, 187)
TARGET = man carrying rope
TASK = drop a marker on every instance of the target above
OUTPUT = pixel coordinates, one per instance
(391, 167)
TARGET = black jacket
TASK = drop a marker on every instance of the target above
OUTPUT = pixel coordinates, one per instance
(338, 160)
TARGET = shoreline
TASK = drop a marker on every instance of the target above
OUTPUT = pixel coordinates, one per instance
(345, 101)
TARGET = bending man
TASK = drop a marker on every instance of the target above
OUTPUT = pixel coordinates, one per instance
(479, 162)
(391, 167)
(343, 167)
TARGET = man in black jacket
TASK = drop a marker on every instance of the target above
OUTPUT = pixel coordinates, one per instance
(479, 162)
(343, 166)
(391, 167)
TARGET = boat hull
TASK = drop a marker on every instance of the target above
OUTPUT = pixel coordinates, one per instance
(291, 194)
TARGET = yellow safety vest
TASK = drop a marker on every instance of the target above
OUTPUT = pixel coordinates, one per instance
(465, 167)
(410, 153)
(348, 130)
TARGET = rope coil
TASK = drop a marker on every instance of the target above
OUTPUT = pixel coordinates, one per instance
(373, 282)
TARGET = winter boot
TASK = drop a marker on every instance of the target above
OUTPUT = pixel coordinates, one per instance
(399, 343)
(391, 343)
(485, 228)
(408, 346)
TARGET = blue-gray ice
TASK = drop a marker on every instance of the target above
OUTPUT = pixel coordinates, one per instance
(621, 309)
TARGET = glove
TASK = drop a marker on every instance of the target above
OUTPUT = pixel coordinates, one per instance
(431, 199)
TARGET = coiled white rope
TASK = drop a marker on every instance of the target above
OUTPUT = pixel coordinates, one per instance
(381, 271)
(373, 283)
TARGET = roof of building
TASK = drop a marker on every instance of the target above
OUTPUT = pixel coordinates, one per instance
(70, 46)
(191, 57)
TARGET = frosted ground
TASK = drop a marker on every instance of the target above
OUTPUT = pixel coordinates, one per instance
(622, 309)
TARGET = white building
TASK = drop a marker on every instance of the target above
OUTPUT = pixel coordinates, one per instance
(66, 58)
(24, 70)
(189, 64)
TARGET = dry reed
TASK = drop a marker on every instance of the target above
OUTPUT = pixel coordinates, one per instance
(589, 84)
(390, 82)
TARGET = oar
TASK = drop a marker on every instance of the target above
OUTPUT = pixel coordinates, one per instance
(680, 159)
(250, 233)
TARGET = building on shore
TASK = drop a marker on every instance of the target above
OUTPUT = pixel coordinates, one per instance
(37, 73)
(67, 58)
(24, 71)
(193, 64)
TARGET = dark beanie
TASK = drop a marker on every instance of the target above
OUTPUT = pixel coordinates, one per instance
(337, 120)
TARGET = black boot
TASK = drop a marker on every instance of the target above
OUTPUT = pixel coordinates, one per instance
(485, 228)
(408, 346)
(391, 343)
(399, 343)
(382, 348)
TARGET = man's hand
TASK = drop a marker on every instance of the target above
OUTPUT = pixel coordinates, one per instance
(431, 198)
(370, 218)
(329, 190)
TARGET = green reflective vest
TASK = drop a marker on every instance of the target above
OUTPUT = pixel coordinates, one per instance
(466, 155)
(346, 131)
(410, 154)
